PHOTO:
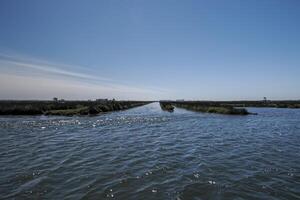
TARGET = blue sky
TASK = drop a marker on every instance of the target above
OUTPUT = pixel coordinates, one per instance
(138, 49)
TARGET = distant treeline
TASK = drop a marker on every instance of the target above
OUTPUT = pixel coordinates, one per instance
(67, 108)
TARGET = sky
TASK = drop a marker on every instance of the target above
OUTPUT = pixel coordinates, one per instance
(150, 49)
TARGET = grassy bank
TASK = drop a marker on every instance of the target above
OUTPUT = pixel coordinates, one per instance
(166, 107)
(209, 107)
(232, 107)
(270, 104)
(66, 108)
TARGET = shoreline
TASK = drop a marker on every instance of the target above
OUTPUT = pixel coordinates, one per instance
(230, 107)
(208, 107)
(82, 108)
(66, 108)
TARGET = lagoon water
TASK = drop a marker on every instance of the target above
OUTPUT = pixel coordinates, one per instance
(146, 153)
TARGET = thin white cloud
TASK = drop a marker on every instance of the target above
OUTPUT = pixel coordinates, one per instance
(50, 69)
(46, 67)
(26, 87)
(36, 79)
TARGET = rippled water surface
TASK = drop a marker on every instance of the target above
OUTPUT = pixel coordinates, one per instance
(145, 153)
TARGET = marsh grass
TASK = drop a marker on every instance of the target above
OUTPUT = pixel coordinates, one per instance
(209, 107)
(67, 108)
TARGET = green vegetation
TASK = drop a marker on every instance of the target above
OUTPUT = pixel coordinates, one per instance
(69, 108)
(230, 107)
(66, 108)
(166, 106)
(264, 103)
(68, 112)
(209, 107)
(227, 110)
